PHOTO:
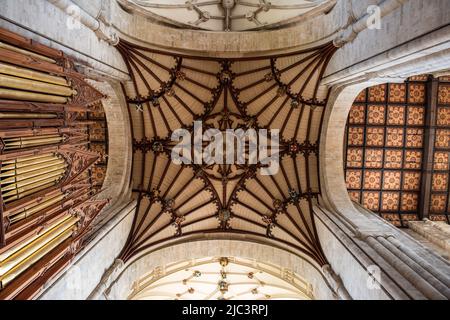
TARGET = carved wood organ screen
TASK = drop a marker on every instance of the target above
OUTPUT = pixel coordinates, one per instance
(46, 198)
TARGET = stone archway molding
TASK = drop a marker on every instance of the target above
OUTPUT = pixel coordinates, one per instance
(334, 195)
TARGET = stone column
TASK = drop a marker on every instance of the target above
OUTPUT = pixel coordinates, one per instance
(108, 277)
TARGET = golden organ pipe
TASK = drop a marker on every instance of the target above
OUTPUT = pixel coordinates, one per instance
(13, 259)
(30, 260)
(25, 183)
(31, 174)
(29, 240)
(59, 227)
(24, 169)
(28, 143)
(25, 52)
(23, 142)
(32, 137)
(27, 115)
(35, 141)
(31, 74)
(29, 158)
(25, 213)
(36, 86)
(23, 162)
(32, 142)
(30, 96)
(7, 278)
(19, 194)
(29, 184)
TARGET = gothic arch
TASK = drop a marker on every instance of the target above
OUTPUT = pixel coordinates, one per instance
(334, 191)
(128, 273)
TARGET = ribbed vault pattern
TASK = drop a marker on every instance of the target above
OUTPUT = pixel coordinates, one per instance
(168, 92)
(221, 278)
(229, 15)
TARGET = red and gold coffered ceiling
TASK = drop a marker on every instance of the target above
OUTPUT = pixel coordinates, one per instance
(180, 202)
(398, 137)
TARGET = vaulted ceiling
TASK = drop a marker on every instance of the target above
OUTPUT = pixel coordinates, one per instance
(176, 202)
(221, 278)
(230, 15)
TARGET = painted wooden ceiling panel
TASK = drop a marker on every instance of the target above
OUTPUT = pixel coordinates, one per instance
(178, 201)
(390, 128)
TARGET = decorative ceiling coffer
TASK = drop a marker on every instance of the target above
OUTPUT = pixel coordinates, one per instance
(279, 96)
(398, 150)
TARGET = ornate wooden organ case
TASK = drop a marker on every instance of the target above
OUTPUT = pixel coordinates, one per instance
(47, 198)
